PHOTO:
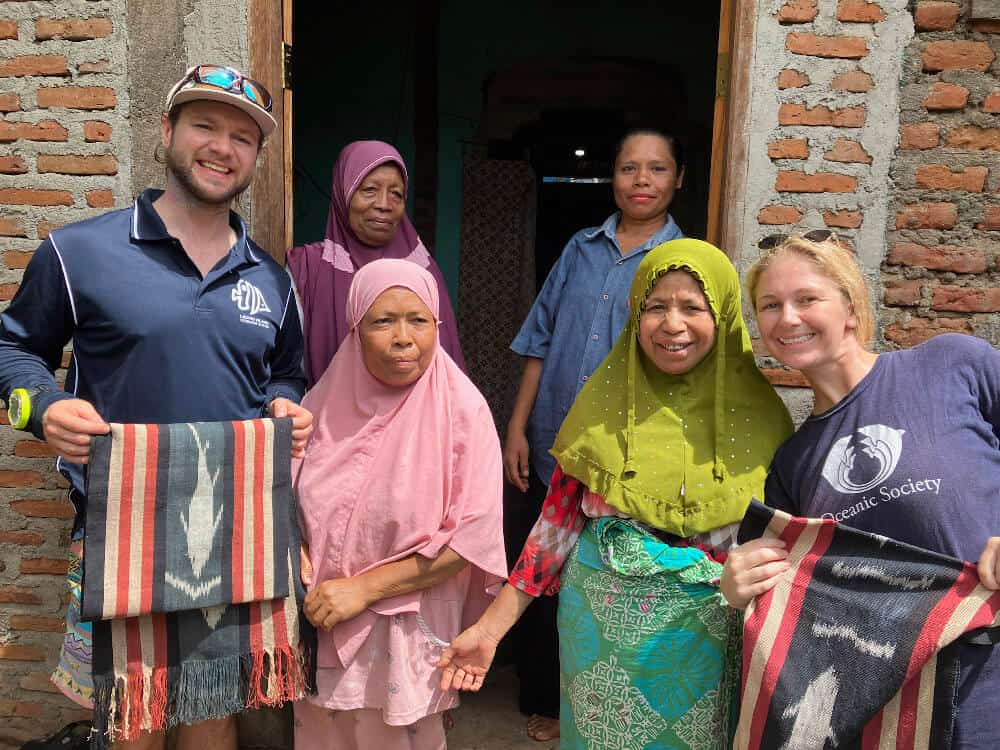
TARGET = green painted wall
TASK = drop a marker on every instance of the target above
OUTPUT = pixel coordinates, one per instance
(357, 83)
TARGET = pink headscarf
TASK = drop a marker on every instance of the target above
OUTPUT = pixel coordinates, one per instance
(392, 471)
(323, 270)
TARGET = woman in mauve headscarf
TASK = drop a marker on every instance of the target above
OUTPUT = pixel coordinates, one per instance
(400, 504)
(367, 221)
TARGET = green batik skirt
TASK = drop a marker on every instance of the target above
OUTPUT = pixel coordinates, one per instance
(648, 651)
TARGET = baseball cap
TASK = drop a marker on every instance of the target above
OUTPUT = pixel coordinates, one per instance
(220, 83)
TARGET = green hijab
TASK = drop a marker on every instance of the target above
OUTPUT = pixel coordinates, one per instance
(683, 453)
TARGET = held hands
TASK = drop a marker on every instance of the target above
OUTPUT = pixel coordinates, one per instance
(753, 569)
(989, 564)
(336, 600)
(515, 459)
(302, 423)
(466, 661)
(68, 426)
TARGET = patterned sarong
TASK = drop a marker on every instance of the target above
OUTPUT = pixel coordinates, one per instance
(182, 520)
(648, 651)
(849, 650)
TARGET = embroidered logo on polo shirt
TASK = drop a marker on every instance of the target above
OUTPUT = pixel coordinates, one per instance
(250, 302)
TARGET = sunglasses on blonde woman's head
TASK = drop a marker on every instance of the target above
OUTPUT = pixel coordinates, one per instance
(814, 235)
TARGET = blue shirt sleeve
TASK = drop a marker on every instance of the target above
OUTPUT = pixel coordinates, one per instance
(776, 495)
(535, 336)
(34, 329)
(287, 376)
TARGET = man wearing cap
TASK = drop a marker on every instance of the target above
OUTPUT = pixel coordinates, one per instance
(175, 314)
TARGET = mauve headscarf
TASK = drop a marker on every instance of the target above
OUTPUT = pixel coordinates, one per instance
(323, 271)
(394, 471)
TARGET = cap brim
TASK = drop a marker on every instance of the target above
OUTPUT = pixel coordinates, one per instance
(263, 118)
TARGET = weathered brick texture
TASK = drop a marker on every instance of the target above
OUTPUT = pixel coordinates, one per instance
(62, 139)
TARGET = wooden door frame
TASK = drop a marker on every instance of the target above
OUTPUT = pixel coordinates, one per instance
(270, 26)
(731, 126)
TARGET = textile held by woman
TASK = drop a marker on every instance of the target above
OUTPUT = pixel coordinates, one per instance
(323, 271)
(391, 472)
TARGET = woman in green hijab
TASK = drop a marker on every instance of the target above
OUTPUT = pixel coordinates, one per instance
(658, 459)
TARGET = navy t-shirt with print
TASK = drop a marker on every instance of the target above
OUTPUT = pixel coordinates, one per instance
(912, 453)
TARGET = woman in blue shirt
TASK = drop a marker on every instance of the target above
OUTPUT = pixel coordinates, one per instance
(575, 320)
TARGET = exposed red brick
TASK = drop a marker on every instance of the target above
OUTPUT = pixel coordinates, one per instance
(15, 478)
(902, 292)
(845, 219)
(920, 135)
(917, 330)
(95, 131)
(37, 682)
(8, 29)
(31, 448)
(798, 114)
(788, 148)
(991, 104)
(23, 538)
(778, 214)
(12, 165)
(45, 228)
(97, 66)
(43, 130)
(18, 595)
(33, 65)
(940, 177)
(43, 508)
(936, 16)
(28, 709)
(966, 299)
(17, 258)
(790, 78)
(100, 198)
(30, 197)
(815, 45)
(77, 164)
(47, 566)
(846, 150)
(10, 103)
(957, 55)
(797, 11)
(7, 292)
(927, 216)
(974, 138)
(21, 652)
(785, 377)
(986, 26)
(991, 219)
(72, 29)
(939, 257)
(821, 182)
(77, 97)
(11, 227)
(859, 11)
(856, 81)
(944, 97)
(38, 623)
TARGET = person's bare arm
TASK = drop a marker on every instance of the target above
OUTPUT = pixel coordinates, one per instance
(515, 453)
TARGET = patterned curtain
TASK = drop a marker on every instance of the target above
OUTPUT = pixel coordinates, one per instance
(496, 273)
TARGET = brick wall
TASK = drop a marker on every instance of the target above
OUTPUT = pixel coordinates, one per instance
(940, 271)
(63, 157)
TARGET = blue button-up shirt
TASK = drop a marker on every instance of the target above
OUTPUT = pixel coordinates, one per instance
(576, 318)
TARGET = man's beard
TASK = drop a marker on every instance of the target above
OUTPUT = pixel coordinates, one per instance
(185, 178)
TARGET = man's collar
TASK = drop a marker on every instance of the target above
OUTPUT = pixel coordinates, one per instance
(147, 226)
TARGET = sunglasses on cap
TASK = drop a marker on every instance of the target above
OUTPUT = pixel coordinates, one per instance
(814, 235)
(227, 79)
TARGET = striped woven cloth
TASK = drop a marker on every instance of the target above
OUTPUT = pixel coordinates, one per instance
(851, 648)
(191, 574)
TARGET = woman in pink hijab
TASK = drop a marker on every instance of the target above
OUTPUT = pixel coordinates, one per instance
(400, 505)
(367, 221)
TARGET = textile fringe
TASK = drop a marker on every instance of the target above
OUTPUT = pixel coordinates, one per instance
(127, 705)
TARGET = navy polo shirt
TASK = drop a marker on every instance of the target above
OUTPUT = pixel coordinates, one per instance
(153, 341)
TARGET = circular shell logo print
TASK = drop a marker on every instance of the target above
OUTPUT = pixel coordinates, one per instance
(864, 460)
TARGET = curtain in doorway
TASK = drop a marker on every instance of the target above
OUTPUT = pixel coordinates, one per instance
(496, 273)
